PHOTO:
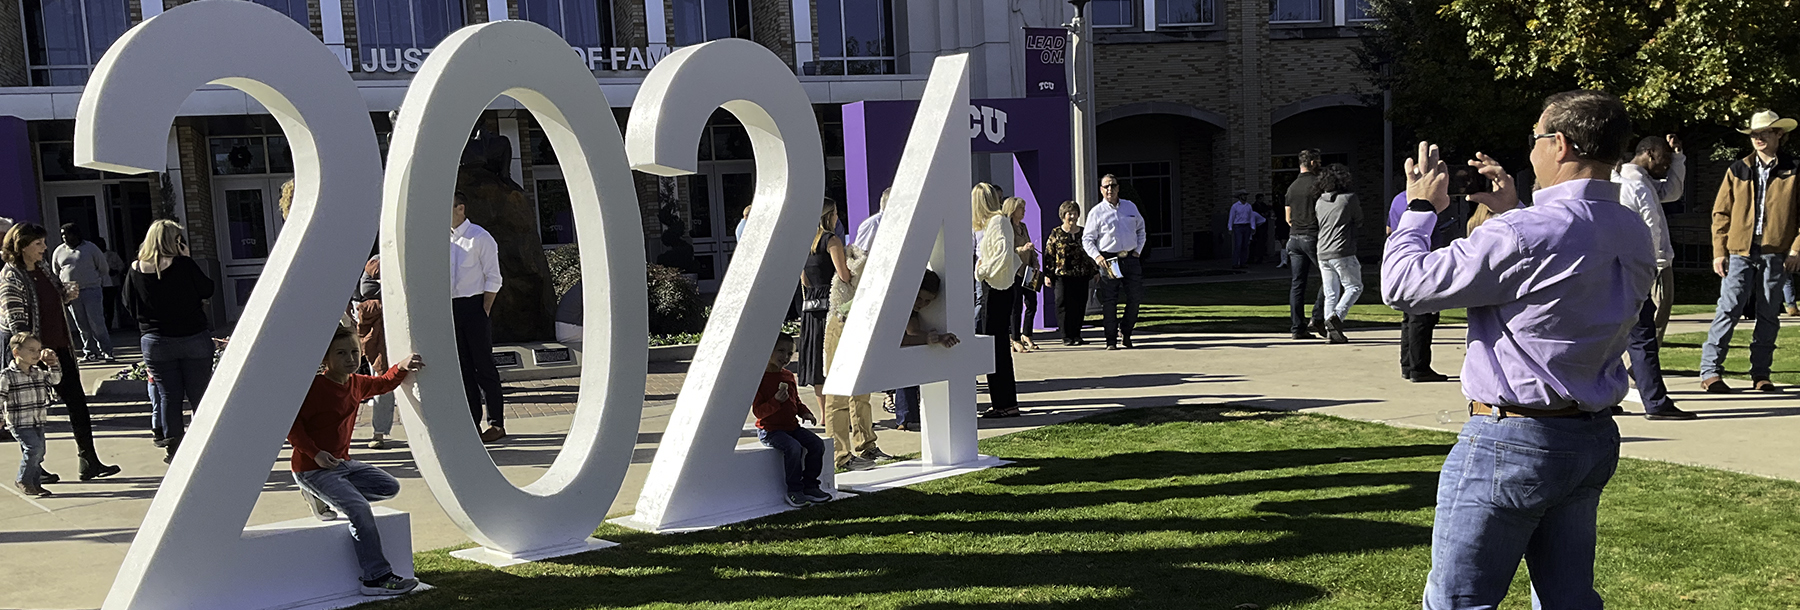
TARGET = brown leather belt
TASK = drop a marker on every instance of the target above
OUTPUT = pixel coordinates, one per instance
(1479, 408)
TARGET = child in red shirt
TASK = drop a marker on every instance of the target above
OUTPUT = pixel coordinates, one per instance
(778, 413)
(328, 478)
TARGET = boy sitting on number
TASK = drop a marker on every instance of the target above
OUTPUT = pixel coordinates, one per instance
(328, 478)
(778, 413)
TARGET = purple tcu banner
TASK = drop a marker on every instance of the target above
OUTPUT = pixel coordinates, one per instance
(18, 181)
(1045, 52)
(1035, 131)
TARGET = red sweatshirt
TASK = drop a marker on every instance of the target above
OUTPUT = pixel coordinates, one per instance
(329, 414)
(778, 415)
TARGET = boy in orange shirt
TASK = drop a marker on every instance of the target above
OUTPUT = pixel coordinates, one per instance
(778, 413)
(328, 478)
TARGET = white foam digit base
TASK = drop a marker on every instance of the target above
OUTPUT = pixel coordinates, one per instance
(913, 472)
(755, 491)
(310, 564)
(482, 554)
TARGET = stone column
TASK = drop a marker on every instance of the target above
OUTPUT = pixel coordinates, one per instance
(1247, 34)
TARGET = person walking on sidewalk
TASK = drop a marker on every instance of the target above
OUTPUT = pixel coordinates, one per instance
(166, 292)
(1115, 239)
(1552, 291)
(996, 261)
(81, 263)
(32, 296)
(1340, 273)
(474, 282)
(1644, 182)
(1754, 225)
(1302, 247)
(1243, 220)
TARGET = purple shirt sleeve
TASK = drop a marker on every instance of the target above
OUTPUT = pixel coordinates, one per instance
(1487, 268)
(1395, 209)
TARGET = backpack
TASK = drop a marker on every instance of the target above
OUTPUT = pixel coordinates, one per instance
(998, 260)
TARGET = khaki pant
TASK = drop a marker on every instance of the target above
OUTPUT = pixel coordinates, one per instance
(1663, 294)
(845, 415)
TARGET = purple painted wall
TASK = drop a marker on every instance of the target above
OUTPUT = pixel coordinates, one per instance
(1034, 130)
(18, 183)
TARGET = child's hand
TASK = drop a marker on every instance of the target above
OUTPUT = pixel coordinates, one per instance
(49, 357)
(808, 418)
(413, 364)
(948, 340)
(326, 460)
(781, 392)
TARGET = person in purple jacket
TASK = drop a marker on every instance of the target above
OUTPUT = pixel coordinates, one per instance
(1552, 292)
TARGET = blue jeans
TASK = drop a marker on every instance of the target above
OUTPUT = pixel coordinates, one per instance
(802, 456)
(1240, 244)
(88, 312)
(1342, 281)
(31, 460)
(182, 367)
(350, 488)
(1517, 487)
(1759, 277)
(906, 407)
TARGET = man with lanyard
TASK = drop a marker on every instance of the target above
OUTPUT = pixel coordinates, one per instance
(1552, 292)
(1116, 232)
(1754, 223)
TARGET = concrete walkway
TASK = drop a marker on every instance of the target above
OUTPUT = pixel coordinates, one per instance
(63, 551)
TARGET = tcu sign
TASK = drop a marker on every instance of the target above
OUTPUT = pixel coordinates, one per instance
(192, 549)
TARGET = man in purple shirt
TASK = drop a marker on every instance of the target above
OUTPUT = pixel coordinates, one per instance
(1552, 292)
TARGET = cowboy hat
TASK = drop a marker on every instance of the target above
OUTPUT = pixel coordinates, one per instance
(1768, 119)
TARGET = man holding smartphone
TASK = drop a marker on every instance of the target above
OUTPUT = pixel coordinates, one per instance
(1552, 292)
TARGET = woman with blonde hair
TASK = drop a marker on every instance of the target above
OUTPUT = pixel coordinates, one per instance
(1027, 281)
(32, 296)
(165, 291)
(995, 299)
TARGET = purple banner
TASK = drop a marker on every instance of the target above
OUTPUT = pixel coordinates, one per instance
(18, 181)
(1045, 52)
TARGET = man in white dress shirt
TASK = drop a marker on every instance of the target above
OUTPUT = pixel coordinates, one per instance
(1115, 232)
(1654, 175)
(474, 282)
(865, 231)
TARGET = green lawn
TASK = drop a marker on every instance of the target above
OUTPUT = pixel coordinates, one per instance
(1260, 306)
(1182, 507)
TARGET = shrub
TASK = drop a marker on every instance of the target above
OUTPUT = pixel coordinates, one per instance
(565, 268)
(674, 302)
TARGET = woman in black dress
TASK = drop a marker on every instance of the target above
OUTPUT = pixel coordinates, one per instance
(825, 258)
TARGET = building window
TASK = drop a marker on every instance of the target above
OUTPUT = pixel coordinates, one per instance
(1297, 11)
(294, 9)
(584, 23)
(855, 37)
(698, 21)
(63, 38)
(1184, 12)
(251, 155)
(1151, 187)
(1359, 10)
(1110, 13)
(393, 26)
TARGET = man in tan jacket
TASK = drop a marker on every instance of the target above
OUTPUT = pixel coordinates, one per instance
(1756, 218)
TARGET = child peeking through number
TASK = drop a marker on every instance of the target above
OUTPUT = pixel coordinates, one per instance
(778, 413)
(331, 482)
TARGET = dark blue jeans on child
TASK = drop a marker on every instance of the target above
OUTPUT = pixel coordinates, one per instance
(350, 488)
(31, 458)
(802, 456)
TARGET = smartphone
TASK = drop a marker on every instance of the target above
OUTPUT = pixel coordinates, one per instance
(1467, 180)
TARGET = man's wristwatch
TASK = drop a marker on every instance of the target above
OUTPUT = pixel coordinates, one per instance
(1420, 205)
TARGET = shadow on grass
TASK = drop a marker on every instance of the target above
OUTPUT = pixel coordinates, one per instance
(1134, 524)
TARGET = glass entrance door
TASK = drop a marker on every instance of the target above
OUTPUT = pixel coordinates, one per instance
(716, 198)
(247, 221)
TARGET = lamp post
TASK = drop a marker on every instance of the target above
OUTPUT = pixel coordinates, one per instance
(1081, 94)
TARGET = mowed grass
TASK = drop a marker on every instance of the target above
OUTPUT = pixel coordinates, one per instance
(1681, 355)
(1261, 306)
(1178, 507)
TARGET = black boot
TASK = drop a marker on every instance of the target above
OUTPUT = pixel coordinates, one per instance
(93, 468)
(169, 449)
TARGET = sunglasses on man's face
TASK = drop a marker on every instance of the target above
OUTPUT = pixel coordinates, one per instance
(1108, 186)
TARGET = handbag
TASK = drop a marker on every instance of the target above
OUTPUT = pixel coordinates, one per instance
(1030, 278)
(815, 305)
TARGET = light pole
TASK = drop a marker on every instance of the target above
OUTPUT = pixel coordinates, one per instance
(1081, 123)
